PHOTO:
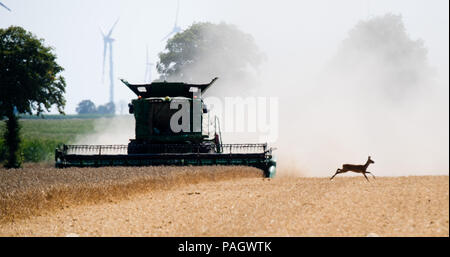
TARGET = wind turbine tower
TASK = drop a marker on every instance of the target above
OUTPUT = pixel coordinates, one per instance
(108, 45)
(148, 69)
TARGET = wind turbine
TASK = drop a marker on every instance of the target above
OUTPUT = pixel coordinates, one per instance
(148, 69)
(175, 28)
(5, 6)
(108, 41)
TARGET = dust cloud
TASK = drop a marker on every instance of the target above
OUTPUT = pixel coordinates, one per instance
(109, 131)
(377, 95)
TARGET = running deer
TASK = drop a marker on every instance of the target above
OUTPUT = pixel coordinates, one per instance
(355, 168)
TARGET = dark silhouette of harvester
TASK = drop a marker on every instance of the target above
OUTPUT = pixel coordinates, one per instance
(197, 141)
(355, 168)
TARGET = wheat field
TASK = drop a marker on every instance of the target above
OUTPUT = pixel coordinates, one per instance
(216, 201)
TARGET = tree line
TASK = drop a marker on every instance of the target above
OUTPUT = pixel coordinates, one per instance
(88, 107)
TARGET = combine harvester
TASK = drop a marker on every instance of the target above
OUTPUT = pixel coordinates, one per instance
(162, 140)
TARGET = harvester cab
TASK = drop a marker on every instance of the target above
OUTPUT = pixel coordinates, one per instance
(171, 113)
(173, 127)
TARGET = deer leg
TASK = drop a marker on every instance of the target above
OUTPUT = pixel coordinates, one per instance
(366, 177)
(337, 172)
(371, 174)
(333, 176)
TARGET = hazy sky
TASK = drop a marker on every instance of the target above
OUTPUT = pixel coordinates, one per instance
(306, 30)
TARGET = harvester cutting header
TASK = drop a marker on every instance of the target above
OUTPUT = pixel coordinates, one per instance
(173, 127)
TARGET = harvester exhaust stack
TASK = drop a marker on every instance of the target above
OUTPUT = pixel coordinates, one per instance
(157, 142)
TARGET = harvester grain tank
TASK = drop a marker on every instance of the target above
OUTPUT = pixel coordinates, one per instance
(161, 139)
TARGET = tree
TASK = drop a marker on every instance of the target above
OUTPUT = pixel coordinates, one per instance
(378, 54)
(207, 50)
(108, 108)
(86, 107)
(29, 82)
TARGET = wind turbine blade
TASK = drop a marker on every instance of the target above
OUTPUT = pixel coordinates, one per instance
(178, 11)
(168, 35)
(112, 28)
(175, 28)
(5, 6)
(101, 31)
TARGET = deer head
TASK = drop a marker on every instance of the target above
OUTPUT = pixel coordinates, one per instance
(370, 160)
